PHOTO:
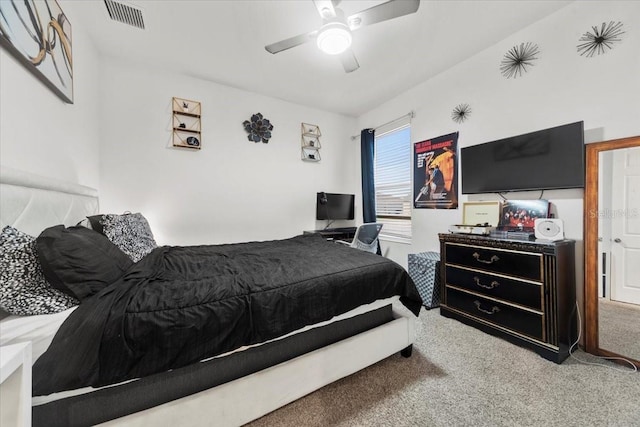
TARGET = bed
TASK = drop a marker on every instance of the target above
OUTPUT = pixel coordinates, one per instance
(271, 368)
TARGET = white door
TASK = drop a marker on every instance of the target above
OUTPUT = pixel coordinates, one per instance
(625, 226)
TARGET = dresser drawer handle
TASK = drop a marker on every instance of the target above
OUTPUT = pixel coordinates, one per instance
(493, 284)
(494, 258)
(493, 310)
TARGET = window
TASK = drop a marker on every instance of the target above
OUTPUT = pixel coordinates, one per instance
(392, 176)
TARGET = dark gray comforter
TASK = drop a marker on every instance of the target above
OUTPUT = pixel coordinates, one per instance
(179, 305)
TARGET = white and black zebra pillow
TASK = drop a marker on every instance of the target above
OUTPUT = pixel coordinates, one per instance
(130, 232)
(23, 288)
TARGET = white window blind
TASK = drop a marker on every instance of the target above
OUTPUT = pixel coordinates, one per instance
(392, 175)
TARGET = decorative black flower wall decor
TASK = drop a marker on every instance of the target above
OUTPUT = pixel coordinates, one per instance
(601, 39)
(259, 128)
(517, 59)
(461, 113)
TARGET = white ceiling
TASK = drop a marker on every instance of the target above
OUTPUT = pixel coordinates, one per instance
(223, 41)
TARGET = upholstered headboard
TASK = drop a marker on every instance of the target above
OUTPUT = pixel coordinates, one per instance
(32, 202)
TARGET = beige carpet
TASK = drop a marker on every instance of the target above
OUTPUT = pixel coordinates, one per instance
(619, 328)
(459, 376)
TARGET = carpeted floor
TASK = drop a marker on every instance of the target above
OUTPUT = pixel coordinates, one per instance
(459, 376)
(619, 327)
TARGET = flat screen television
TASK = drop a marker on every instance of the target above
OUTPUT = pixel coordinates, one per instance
(543, 160)
(334, 206)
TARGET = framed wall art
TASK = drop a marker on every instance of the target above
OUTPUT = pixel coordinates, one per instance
(38, 34)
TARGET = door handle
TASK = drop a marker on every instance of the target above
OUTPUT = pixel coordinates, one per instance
(617, 240)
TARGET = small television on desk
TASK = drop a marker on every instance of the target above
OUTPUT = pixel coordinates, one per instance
(333, 206)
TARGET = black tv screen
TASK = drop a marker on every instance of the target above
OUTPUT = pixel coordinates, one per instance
(333, 206)
(547, 159)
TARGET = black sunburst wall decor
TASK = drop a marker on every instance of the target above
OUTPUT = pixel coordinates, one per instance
(601, 39)
(259, 128)
(461, 113)
(517, 59)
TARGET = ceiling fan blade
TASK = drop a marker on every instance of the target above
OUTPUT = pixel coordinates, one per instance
(383, 12)
(325, 8)
(291, 42)
(349, 61)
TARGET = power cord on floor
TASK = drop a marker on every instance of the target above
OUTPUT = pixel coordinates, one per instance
(634, 368)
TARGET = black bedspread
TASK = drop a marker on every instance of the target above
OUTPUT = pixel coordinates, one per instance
(179, 305)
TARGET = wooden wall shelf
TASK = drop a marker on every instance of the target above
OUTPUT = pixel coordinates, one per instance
(187, 128)
(310, 142)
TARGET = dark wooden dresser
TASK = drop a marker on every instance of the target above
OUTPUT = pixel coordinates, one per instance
(521, 291)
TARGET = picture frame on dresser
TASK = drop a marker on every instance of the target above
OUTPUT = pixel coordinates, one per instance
(521, 291)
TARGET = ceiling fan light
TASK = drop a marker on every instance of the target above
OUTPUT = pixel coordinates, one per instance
(334, 38)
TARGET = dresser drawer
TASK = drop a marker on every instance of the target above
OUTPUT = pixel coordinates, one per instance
(513, 263)
(511, 290)
(509, 317)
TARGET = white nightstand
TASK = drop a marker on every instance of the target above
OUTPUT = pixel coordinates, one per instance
(15, 385)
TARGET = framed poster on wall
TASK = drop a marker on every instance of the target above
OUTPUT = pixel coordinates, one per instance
(38, 34)
(435, 173)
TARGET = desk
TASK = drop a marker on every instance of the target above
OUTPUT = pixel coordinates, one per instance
(342, 233)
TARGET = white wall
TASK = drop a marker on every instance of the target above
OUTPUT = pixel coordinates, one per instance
(39, 133)
(562, 87)
(232, 189)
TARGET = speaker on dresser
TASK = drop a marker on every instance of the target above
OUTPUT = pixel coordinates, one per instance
(551, 229)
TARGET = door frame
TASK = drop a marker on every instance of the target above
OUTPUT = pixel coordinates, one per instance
(591, 242)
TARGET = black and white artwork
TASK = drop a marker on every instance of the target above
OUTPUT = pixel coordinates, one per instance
(258, 128)
(601, 39)
(519, 59)
(38, 34)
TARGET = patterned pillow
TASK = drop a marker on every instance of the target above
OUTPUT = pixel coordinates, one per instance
(23, 289)
(131, 233)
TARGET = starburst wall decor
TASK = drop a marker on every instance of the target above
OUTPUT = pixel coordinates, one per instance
(601, 39)
(517, 59)
(461, 113)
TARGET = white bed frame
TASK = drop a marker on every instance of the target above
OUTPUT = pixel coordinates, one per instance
(32, 203)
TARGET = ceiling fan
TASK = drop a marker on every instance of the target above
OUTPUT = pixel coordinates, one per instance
(334, 37)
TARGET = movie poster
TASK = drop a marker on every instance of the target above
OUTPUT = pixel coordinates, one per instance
(435, 173)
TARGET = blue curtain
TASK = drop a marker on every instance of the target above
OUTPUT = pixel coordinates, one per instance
(367, 146)
(367, 149)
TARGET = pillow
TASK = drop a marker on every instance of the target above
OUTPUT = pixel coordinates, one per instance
(95, 223)
(131, 233)
(23, 289)
(79, 261)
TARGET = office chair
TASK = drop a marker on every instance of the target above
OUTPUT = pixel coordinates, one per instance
(366, 237)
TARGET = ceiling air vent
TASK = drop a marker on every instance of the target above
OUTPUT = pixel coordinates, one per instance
(125, 13)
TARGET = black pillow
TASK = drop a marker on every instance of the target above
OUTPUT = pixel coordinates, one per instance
(96, 223)
(79, 261)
